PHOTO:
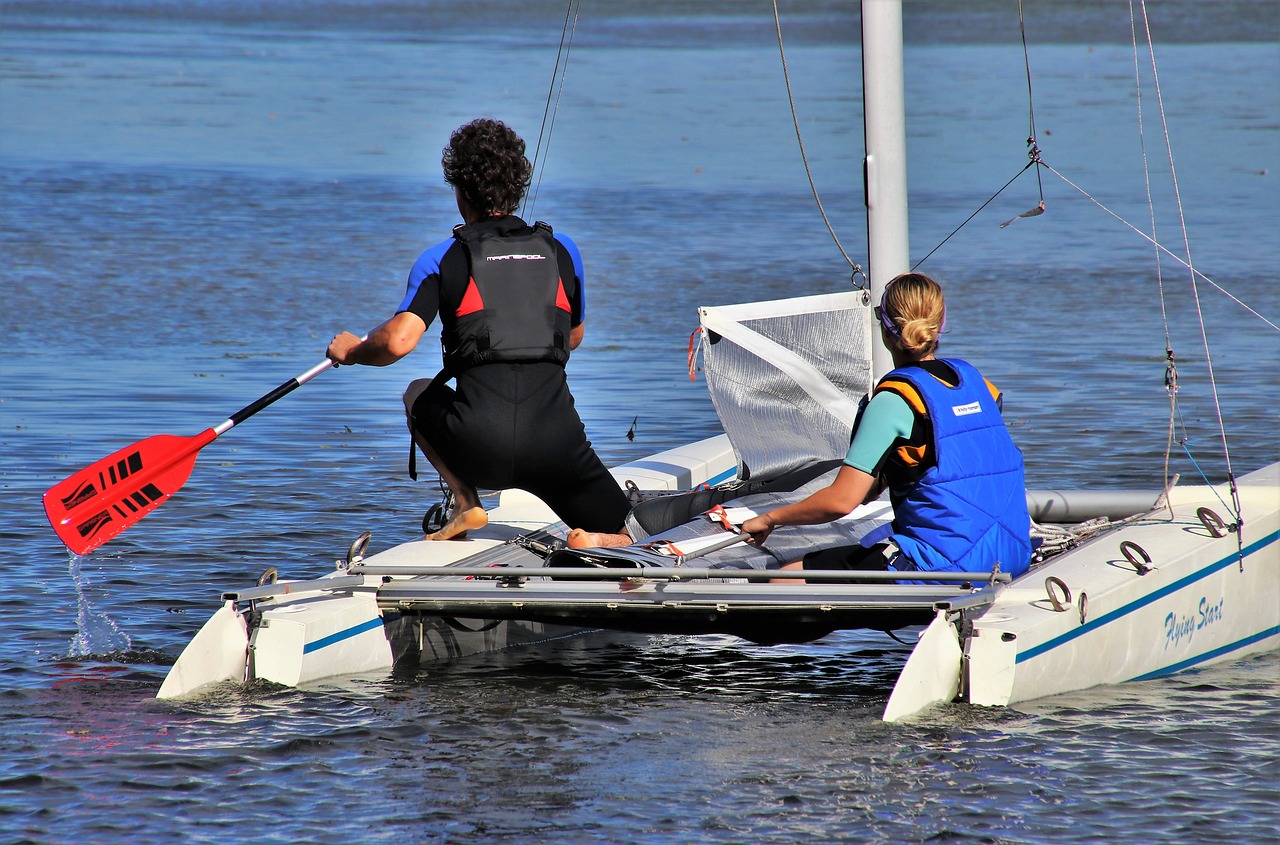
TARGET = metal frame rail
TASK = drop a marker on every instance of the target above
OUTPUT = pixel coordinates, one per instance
(683, 600)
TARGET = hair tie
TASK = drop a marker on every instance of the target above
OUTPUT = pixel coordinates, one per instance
(883, 316)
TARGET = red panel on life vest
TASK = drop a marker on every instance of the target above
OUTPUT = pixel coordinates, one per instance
(562, 299)
(471, 301)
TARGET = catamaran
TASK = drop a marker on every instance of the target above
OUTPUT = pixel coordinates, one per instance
(1125, 585)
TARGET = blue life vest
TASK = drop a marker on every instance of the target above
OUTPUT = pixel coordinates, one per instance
(968, 510)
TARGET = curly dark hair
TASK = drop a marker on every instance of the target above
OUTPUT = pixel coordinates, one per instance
(485, 161)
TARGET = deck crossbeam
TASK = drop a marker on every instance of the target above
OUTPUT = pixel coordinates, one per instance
(680, 606)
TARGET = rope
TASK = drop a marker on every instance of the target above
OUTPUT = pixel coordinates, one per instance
(549, 111)
(1208, 483)
(795, 120)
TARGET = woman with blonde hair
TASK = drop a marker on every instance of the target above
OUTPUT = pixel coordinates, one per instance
(932, 434)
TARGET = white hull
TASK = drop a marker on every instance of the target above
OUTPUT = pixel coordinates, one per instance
(1199, 602)
(333, 627)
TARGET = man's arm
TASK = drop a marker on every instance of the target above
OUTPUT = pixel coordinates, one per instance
(385, 345)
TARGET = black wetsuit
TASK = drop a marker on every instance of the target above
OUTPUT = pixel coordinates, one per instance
(511, 424)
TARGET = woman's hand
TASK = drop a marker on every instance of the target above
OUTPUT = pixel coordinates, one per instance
(759, 528)
(849, 488)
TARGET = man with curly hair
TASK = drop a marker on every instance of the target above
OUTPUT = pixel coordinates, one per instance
(510, 301)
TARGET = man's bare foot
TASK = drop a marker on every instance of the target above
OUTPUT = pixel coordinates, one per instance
(579, 539)
(462, 522)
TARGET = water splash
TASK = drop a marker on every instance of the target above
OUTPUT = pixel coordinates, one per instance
(96, 633)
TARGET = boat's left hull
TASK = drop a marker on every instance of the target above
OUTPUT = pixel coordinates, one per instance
(306, 632)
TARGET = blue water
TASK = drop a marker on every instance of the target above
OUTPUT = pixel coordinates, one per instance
(194, 197)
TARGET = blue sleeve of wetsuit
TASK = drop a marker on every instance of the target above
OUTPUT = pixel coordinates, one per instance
(579, 302)
(886, 418)
(422, 291)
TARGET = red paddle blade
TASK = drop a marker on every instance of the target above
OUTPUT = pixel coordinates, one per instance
(103, 499)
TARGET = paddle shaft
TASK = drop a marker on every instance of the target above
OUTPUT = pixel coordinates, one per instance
(271, 398)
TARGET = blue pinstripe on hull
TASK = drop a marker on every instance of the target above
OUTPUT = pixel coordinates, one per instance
(1212, 654)
(722, 477)
(354, 631)
(1152, 597)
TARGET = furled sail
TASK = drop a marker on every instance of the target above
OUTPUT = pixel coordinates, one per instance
(786, 377)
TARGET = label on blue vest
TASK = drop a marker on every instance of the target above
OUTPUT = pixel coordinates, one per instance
(966, 410)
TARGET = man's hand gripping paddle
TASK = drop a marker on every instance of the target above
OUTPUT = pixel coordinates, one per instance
(100, 501)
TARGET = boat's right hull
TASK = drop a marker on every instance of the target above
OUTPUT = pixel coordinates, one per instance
(1201, 600)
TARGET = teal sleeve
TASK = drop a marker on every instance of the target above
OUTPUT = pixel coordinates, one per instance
(886, 418)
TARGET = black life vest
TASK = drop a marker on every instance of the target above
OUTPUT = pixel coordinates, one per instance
(515, 309)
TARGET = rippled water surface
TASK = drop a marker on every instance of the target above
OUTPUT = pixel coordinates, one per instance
(194, 197)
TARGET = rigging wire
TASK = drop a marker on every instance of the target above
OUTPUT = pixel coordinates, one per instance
(1033, 155)
(556, 89)
(1033, 151)
(795, 120)
(1171, 366)
(1186, 242)
(1159, 246)
(549, 111)
(1171, 377)
(978, 210)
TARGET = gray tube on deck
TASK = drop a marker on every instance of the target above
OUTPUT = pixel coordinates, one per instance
(1072, 506)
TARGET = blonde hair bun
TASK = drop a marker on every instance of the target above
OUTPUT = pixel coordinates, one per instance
(914, 303)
